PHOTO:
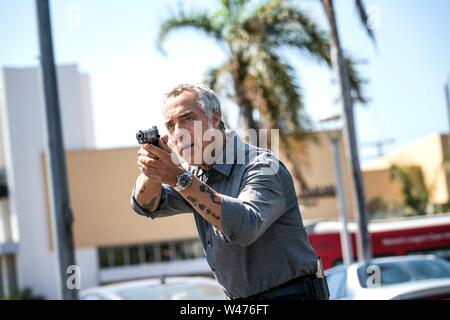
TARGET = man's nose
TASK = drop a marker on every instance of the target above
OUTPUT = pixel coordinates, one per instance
(182, 134)
(178, 133)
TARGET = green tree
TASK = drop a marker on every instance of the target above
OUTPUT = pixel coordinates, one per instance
(256, 73)
(416, 195)
(25, 294)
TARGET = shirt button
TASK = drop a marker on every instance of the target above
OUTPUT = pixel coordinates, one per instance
(209, 243)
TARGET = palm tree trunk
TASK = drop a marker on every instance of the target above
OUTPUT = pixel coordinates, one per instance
(289, 158)
(242, 99)
(247, 112)
(291, 163)
(359, 204)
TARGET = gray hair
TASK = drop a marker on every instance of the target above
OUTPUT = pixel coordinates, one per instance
(206, 99)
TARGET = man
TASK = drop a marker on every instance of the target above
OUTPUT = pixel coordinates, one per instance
(244, 202)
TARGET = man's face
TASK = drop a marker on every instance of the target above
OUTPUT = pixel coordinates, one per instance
(180, 113)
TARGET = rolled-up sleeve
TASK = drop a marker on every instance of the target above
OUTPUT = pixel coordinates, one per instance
(171, 203)
(259, 204)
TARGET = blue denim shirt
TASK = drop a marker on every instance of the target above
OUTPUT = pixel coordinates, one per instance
(263, 242)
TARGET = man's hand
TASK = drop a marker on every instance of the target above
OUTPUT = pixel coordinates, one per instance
(156, 163)
(157, 167)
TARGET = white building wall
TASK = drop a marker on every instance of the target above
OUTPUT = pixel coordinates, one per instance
(8, 222)
(24, 141)
(77, 132)
(87, 260)
(5, 223)
(2, 151)
(87, 111)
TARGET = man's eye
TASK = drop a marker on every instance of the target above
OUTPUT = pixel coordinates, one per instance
(170, 126)
(189, 118)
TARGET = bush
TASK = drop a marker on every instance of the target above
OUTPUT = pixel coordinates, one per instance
(25, 294)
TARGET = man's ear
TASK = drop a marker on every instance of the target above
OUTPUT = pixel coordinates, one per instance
(216, 120)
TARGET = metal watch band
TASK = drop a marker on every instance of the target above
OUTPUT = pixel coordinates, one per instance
(184, 180)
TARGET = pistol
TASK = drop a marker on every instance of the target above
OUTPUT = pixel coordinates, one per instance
(150, 136)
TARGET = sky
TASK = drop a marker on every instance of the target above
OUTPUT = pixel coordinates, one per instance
(114, 42)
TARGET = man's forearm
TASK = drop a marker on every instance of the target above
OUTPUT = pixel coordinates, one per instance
(147, 193)
(206, 201)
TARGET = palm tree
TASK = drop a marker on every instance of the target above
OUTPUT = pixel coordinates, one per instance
(340, 66)
(416, 194)
(263, 83)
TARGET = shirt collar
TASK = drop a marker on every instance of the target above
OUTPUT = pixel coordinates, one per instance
(231, 152)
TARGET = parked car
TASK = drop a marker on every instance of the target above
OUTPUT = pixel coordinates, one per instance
(391, 278)
(170, 288)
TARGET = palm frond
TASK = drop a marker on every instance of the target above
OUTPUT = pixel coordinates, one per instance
(215, 75)
(356, 82)
(280, 78)
(277, 23)
(293, 146)
(199, 21)
(234, 5)
(364, 19)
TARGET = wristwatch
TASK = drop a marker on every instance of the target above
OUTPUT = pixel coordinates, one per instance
(184, 180)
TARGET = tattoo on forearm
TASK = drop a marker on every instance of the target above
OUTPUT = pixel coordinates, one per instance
(192, 199)
(211, 213)
(150, 206)
(202, 207)
(211, 192)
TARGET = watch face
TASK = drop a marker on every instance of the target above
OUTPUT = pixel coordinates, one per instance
(184, 180)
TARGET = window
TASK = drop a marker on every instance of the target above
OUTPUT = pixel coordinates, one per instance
(337, 284)
(103, 258)
(442, 252)
(198, 249)
(402, 271)
(119, 259)
(193, 249)
(188, 250)
(165, 251)
(180, 252)
(149, 253)
(134, 255)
